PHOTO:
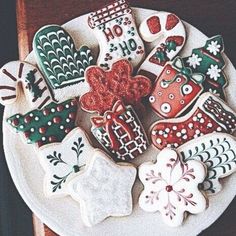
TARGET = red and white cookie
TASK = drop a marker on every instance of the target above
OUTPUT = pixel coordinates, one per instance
(115, 29)
(171, 187)
(208, 115)
(175, 89)
(169, 32)
(34, 86)
(107, 87)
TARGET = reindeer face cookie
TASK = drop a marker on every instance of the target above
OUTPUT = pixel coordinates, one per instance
(34, 86)
(115, 29)
(171, 187)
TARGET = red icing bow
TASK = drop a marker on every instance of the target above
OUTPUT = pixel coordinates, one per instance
(107, 87)
(110, 118)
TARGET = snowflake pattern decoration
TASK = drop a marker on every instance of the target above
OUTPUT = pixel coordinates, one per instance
(213, 47)
(171, 187)
(194, 60)
(214, 72)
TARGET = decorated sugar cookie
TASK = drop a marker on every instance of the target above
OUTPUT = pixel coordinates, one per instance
(49, 125)
(209, 61)
(218, 152)
(34, 86)
(107, 87)
(115, 30)
(63, 161)
(120, 132)
(60, 62)
(103, 189)
(169, 33)
(171, 187)
(208, 115)
(175, 89)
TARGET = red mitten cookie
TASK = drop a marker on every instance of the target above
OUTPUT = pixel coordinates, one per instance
(107, 87)
(209, 114)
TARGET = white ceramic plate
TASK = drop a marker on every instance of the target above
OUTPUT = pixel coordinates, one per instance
(63, 215)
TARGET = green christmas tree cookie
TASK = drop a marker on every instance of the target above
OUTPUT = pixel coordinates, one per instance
(208, 60)
(49, 125)
(60, 62)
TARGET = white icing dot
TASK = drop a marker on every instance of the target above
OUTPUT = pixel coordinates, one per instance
(185, 136)
(67, 120)
(178, 134)
(224, 114)
(227, 122)
(154, 132)
(53, 110)
(61, 127)
(230, 117)
(183, 131)
(197, 131)
(36, 118)
(199, 115)
(9, 121)
(168, 145)
(43, 138)
(28, 141)
(176, 144)
(158, 141)
(49, 123)
(160, 132)
(190, 125)
(219, 129)
(21, 126)
(67, 106)
(233, 120)
(108, 116)
(194, 118)
(209, 125)
(174, 127)
(202, 120)
(167, 130)
(17, 116)
(165, 135)
(31, 114)
(230, 126)
(32, 129)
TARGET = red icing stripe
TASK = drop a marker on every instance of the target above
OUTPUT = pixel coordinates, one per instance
(154, 24)
(171, 22)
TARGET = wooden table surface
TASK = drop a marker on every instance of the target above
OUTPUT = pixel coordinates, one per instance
(211, 17)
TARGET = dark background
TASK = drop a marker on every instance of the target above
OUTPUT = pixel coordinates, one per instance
(211, 17)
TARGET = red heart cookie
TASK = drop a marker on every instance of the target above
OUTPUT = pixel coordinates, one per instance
(107, 87)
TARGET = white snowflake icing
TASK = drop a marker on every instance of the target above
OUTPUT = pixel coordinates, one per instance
(213, 47)
(194, 60)
(214, 72)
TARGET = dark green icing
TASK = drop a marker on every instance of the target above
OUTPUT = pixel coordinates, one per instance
(51, 124)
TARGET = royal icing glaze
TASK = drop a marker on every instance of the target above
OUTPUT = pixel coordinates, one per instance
(209, 114)
(49, 125)
(120, 132)
(107, 87)
(34, 86)
(175, 89)
(115, 30)
(60, 62)
(218, 152)
(63, 161)
(209, 61)
(171, 187)
(169, 33)
(100, 194)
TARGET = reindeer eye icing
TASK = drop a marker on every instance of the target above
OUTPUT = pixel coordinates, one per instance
(171, 96)
(165, 107)
(187, 89)
(152, 99)
(178, 80)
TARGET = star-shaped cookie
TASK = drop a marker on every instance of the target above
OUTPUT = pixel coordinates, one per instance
(103, 189)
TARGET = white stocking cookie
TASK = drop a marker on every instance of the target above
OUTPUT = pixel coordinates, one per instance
(115, 29)
(171, 187)
(33, 83)
(103, 189)
(170, 34)
(63, 161)
(218, 152)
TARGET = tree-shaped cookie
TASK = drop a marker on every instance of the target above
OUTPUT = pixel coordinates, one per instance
(49, 125)
(107, 87)
(209, 61)
(60, 62)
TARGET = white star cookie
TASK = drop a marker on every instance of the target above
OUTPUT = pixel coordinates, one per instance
(63, 161)
(103, 189)
(171, 187)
